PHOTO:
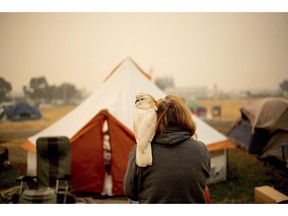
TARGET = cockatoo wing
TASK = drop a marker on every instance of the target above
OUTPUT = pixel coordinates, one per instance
(144, 128)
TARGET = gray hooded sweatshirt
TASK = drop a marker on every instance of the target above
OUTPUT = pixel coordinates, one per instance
(178, 174)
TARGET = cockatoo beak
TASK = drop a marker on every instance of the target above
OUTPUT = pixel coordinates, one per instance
(136, 101)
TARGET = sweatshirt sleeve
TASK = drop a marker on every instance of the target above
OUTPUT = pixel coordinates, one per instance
(131, 177)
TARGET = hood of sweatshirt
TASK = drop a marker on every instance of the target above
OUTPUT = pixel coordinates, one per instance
(172, 136)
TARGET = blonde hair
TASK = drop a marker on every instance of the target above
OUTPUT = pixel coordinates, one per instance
(172, 110)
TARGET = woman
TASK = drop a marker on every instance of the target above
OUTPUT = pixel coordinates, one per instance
(181, 164)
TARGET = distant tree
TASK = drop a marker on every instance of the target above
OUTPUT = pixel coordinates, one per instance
(5, 89)
(164, 82)
(27, 92)
(284, 85)
(40, 91)
(52, 93)
(38, 83)
(39, 88)
(68, 92)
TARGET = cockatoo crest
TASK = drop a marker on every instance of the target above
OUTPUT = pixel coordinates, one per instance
(145, 101)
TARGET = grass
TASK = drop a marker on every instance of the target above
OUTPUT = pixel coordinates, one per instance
(50, 115)
(8, 176)
(244, 171)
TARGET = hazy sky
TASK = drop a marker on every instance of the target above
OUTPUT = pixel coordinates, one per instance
(236, 51)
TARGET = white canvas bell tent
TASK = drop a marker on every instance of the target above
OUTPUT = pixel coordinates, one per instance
(113, 103)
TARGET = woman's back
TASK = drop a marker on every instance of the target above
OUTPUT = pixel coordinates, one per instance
(181, 165)
(179, 172)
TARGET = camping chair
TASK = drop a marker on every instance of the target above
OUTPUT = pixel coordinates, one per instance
(53, 173)
(284, 149)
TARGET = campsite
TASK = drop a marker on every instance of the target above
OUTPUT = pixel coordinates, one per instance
(100, 132)
(244, 171)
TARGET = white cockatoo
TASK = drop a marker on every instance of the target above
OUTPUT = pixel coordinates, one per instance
(144, 125)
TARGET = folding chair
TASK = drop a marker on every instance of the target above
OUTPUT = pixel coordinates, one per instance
(284, 150)
(51, 185)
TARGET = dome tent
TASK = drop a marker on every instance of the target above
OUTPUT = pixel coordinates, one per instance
(263, 127)
(22, 111)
